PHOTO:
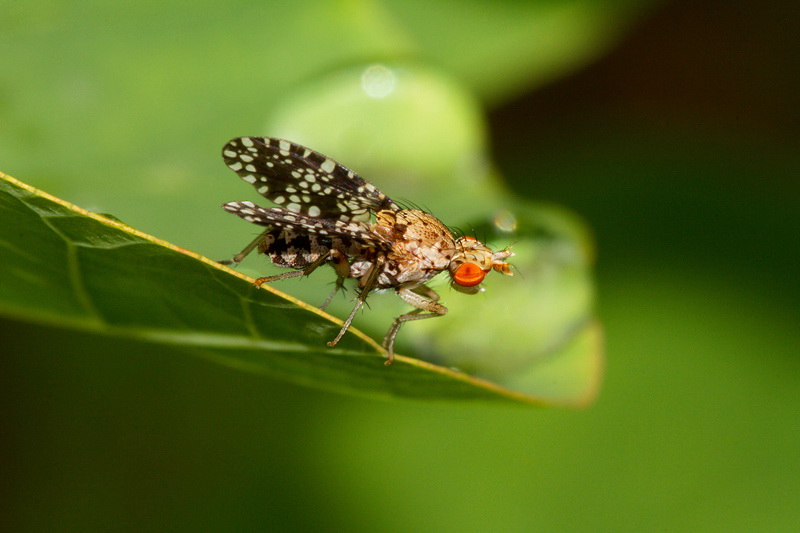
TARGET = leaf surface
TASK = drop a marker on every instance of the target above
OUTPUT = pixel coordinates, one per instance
(65, 266)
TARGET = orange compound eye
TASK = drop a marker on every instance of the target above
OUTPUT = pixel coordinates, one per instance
(469, 275)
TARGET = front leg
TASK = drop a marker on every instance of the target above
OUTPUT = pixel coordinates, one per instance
(424, 299)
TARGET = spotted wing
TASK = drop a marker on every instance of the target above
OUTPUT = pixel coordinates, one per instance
(301, 224)
(302, 180)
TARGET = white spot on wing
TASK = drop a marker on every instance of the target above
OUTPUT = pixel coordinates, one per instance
(328, 165)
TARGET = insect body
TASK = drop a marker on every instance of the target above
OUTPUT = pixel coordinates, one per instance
(328, 214)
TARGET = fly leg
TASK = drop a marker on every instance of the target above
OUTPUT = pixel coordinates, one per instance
(238, 258)
(295, 273)
(342, 268)
(425, 300)
(370, 279)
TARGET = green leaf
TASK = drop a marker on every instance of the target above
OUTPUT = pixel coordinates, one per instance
(65, 266)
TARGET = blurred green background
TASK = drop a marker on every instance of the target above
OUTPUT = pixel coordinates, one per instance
(673, 128)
